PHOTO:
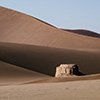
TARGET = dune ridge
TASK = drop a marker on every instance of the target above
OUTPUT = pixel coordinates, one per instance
(16, 27)
(64, 79)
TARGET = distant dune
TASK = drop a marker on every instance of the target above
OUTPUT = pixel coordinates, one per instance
(84, 32)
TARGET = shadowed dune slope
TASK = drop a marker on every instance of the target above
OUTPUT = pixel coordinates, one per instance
(16, 27)
(46, 59)
(11, 73)
(84, 32)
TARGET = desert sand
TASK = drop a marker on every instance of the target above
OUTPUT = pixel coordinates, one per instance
(78, 90)
(20, 28)
(30, 51)
(10, 74)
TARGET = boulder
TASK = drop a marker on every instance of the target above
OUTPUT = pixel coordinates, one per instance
(66, 70)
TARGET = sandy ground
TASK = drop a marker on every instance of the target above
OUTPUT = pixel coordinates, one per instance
(79, 90)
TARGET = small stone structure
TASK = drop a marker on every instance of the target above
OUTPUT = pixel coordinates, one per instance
(66, 70)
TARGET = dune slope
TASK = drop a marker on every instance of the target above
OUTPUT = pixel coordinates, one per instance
(33, 44)
(11, 73)
(46, 59)
(17, 27)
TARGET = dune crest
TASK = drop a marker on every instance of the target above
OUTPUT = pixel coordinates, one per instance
(16, 27)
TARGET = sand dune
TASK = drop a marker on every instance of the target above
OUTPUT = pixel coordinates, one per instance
(45, 59)
(84, 32)
(30, 51)
(10, 74)
(53, 46)
(17, 27)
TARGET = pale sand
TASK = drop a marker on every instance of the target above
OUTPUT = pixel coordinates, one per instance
(79, 90)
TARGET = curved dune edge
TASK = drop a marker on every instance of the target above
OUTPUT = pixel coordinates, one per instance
(10, 74)
(16, 27)
(65, 79)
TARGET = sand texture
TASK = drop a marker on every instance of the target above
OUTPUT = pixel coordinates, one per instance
(80, 90)
(16, 27)
(11, 74)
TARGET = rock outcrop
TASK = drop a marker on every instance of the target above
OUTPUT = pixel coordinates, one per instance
(66, 70)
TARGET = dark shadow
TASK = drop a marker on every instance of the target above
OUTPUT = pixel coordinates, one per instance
(45, 59)
(76, 71)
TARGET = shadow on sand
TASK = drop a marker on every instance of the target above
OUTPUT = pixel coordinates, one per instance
(46, 59)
